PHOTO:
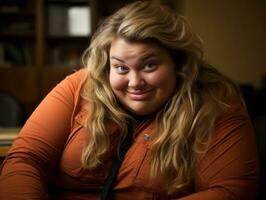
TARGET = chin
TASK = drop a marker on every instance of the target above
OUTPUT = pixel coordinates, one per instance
(141, 112)
(141, 109)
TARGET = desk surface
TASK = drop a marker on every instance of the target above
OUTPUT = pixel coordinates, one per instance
(7, 136)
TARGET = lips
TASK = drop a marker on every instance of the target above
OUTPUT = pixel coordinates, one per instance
(139, 95)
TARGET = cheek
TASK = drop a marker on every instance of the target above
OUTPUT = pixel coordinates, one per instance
(117, 82)
(163, 79)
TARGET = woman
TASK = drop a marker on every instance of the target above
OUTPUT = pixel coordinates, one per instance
(145, 79)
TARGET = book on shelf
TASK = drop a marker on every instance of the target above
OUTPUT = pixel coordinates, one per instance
(57, 20)
(16, 6)
(9, 8)
(69, 20)
(64, 57)
(79, 21)
(16, 54)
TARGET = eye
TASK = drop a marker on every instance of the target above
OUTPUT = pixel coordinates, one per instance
(120, 69)
(150, 67)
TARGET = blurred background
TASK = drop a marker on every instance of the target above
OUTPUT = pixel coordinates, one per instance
(41, 41)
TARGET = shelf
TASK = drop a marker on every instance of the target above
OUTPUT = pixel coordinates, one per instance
(16, 35)
(35, 57)
(15, 66)
(17, 8)
(67, 38)
(17, 24)
(69, 2)
(16, 14)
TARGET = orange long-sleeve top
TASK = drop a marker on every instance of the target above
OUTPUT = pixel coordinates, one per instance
(44, 160)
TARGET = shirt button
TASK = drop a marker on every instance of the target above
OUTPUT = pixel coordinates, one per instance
(146, 137)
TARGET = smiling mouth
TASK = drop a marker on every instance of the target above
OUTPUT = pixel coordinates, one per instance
(139, 95)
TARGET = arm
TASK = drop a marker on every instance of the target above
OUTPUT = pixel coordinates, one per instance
(229, 169)
(37, 150)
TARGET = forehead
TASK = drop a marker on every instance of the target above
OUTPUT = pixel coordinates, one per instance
(122, 48)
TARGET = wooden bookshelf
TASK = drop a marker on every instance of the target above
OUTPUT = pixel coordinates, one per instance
(27, 70)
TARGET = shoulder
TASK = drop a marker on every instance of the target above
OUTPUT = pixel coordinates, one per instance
(77, 77)
(235, 115)
(232, 127)
(72, 83)
(67, 92)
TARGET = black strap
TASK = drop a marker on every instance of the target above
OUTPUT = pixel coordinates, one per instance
(108, 186)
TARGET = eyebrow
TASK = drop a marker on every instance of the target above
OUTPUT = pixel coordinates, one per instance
(115, 58)
(141, 59)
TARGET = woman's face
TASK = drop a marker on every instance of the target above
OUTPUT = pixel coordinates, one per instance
(142, 75)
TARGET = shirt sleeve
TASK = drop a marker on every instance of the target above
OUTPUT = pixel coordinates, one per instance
(230, 167)
(36, 151)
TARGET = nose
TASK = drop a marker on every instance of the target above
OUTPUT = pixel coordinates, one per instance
(135, 80)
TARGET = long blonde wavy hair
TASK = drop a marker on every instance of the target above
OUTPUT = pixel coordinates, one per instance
(186, 121)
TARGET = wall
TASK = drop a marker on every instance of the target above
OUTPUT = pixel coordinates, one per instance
(234, 33)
